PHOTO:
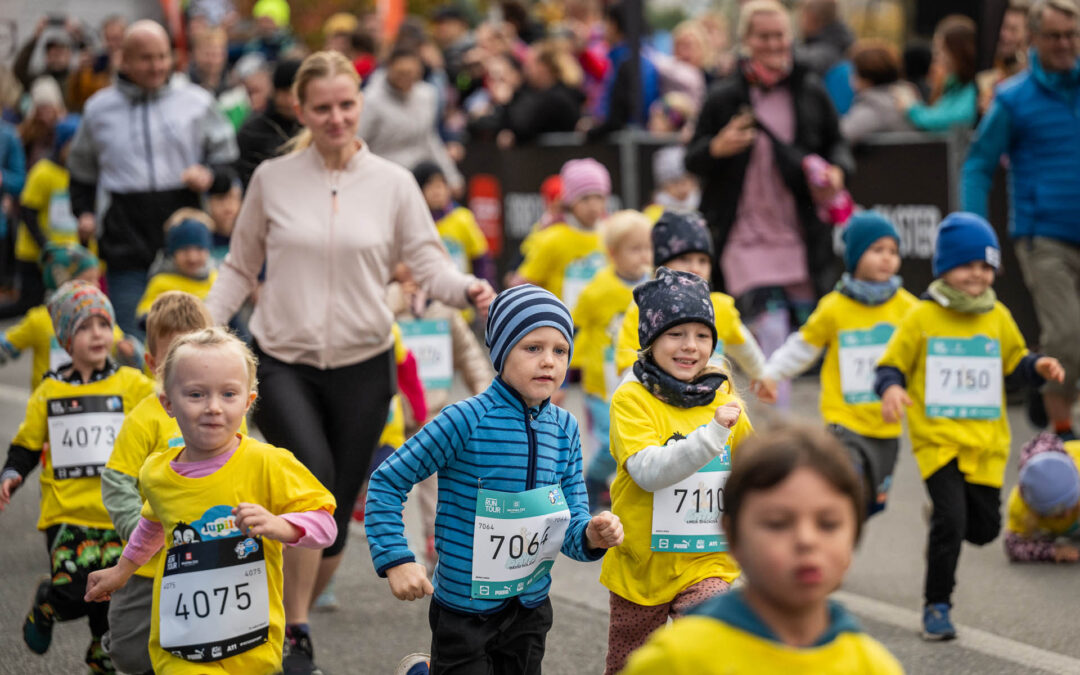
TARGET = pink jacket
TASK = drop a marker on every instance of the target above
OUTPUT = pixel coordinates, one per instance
(330, 241)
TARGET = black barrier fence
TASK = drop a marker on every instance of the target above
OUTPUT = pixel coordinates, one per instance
(912, 178)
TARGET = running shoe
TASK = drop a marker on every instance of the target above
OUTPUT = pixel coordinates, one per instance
(414, 664)
(38, 626)
(936, 623)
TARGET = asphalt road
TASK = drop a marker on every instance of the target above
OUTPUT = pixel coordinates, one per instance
(1012, 618)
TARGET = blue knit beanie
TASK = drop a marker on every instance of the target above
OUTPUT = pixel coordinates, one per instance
(678, 233)
(1049, 483)
(862, 230)
(188, 232)
(963, 238)
(671, 299)
(520, 310)
(64, 132)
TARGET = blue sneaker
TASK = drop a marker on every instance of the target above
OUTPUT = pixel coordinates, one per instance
(414, 664)
(936, 623)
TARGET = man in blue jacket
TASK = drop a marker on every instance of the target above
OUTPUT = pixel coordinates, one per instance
(1033, 120)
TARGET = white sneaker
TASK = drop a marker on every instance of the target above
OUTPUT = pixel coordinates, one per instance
(414, 664)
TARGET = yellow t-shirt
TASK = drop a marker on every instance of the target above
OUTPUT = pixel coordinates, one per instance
(703, 645)
(161, 283)
(46, 191)
(728, 330)
(857, 332)
(632, 570)
(563, 259)
(147, 430)
(1025, 522)
(257, 473)
(980, 445)
(462, 237)
(35, 331)
(597, 319)
(72, 493)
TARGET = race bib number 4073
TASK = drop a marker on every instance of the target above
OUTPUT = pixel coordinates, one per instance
(82, 430)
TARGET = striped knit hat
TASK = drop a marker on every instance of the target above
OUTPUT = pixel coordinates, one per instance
(520, 310)
(75, 302)
(584, 177)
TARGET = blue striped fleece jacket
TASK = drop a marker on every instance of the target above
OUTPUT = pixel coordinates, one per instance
(495, 438)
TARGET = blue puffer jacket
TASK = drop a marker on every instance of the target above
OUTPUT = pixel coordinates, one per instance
(12, 167)
(494, 438)
(1035, 120)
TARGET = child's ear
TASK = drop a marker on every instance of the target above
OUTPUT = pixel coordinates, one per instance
(164, 399)
(151, 364)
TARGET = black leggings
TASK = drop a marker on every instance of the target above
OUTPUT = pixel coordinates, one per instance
(330, 419)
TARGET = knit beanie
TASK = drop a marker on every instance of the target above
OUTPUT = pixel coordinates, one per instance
(187, 233)
(963, 238)
(520, 310)
(862, 230)
(425, 171)
(672, 298)
(75, 302)
(668, 165)
(61, 263)
(584, 177)
(1049, 483)
(675, 234)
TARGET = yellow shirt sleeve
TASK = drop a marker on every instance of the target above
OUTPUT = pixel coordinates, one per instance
(627, 345)
(536, 268)
(903, 347)
(134, 444)
(728, 322)
(34, 429)
(38, 187)
(296, 490)
(634, 427)
(23, 334)
(1013, 347)
(820, 329)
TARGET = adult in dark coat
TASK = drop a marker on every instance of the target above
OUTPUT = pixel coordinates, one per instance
(263, 135)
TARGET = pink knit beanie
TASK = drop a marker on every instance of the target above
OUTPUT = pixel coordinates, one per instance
(583, 177)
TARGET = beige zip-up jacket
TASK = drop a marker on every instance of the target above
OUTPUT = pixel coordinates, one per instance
(330, 241)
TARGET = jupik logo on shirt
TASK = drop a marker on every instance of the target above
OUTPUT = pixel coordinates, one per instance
(217, 522)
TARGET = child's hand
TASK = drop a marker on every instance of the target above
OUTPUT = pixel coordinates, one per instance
(253, 520)
(893, 403)
(1066, 553)
(765, 389)
(101, 584)
(1050, 368)
(409, 581)
(604, 530)
(727, 414)
(7, 488)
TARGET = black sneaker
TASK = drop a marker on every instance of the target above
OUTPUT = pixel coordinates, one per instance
(298, 657)
(37, 628)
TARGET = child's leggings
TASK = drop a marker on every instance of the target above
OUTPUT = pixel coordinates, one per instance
(602, 465)
(631, 624)
(963, 512)
(75, 552)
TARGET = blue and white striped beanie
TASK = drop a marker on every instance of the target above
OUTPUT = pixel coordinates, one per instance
(519, 310)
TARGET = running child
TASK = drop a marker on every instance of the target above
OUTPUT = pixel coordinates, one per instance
(946, 363)
(852, 325)
(598, 317)
(77, 411)
(1044, 508)
(682, 242)
(59, 263)
(221, 505)
(147, 430)
(457, 226)
(793, 515)
(510, 498)
(186, 265)
(675, 421)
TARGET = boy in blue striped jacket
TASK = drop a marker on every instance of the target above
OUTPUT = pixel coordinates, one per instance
(511, 496)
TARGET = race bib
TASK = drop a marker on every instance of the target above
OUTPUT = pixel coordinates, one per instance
(61, 218)
(214, 600)
(430, 343)
(859, 352)
(963, 378)
(457, 254)
(82, 430)
(516, 539)
(58, 356)
(577, 276)
(686, 515)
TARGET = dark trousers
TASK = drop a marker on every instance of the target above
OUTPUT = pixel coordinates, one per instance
(330, 419)
(508, 642)
(75, 552)
(962, 512)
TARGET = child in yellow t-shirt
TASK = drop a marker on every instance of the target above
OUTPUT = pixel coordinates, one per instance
(221, 505)
(457, 225)
(597, 319)
(852, 325)
(59, 263)
(674, 424)
(564, 257)
(681, 242)
(946, 363)
(186, 266)
(792, 515)
(676, 188)
(1044, 508)
(77, 411)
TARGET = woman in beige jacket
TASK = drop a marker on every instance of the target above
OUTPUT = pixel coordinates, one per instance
(330, 220)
